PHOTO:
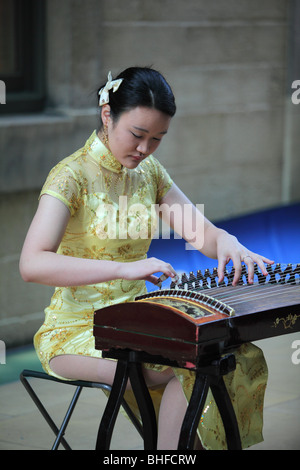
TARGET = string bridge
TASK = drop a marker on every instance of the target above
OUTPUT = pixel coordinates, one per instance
(194, 304)
(277, 274)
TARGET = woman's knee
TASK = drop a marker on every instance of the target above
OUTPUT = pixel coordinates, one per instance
(155, 378)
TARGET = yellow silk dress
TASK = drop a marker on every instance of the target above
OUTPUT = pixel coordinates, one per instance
(112, 218)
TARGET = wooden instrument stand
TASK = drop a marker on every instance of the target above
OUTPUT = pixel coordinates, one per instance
(129, 366)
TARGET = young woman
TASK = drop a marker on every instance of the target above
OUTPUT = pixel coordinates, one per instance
(82, 243)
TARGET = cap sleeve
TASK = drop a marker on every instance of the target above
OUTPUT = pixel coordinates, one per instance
(62, 184)
(163, 179)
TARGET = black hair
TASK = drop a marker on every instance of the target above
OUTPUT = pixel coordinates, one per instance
(141, 86)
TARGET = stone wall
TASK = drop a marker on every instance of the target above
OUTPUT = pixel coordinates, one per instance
(232, 145)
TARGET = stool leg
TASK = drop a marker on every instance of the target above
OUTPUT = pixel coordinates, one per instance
(113, 405)
(67, 418)
(145, 405)
(43, 410)
(193, 412)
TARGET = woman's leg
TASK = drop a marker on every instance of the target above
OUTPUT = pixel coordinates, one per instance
(100, 370)
(77, 367)
(171, 413)
(173, 405)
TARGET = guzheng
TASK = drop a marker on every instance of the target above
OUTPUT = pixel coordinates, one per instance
(199, 318)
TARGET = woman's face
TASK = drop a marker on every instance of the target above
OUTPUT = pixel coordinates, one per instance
(136, 134)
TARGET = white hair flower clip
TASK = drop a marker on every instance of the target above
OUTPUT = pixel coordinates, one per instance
(110, 85)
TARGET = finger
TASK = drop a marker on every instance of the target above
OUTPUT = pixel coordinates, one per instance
(153, 279)
(221, 268)
(169, 271)
(163, 277)
(249, 262)
(159, 280)
(260, 260)
(237, 269)
(166, 269)
(267, 260)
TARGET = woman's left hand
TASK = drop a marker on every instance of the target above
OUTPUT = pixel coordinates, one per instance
(229, 248)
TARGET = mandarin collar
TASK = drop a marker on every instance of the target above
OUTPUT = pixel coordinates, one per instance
(97, 149)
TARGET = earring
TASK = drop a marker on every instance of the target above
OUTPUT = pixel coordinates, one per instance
(105, 136)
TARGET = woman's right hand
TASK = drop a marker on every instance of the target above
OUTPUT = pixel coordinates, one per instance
(145, 270)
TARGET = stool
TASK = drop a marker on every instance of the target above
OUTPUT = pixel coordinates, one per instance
(79, 384)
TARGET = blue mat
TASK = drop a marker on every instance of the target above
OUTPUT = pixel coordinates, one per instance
(274, 233)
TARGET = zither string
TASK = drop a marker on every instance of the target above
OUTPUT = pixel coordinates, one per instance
(254, 291)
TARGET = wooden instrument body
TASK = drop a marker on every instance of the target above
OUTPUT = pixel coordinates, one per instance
(263, 310)
(157, 330)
